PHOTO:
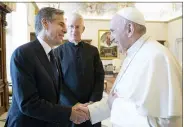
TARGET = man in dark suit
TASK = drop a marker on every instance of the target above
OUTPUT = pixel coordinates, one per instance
(36, 79)
(82, 69)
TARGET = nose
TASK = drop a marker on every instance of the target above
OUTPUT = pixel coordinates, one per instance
(64, 29)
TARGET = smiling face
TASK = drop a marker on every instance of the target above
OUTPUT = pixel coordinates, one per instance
(119, 32)
(55, 29)
(75, 25)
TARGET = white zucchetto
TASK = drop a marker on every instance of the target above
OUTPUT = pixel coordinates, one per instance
(132, 14)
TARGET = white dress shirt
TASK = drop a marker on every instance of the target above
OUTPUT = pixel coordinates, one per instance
(45, 46)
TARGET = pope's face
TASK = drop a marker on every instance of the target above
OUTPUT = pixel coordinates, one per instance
(118, 32)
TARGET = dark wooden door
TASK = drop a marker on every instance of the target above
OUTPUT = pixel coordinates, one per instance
(4, 103)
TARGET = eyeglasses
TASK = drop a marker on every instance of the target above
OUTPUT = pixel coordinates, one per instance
(76, 27)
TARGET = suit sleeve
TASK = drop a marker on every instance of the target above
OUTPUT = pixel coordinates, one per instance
(65, 93)
(26, 93)
(99, 78)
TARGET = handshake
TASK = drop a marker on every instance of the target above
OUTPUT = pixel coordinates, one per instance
(80, 113)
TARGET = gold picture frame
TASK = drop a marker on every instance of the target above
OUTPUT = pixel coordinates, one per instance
(106, 45)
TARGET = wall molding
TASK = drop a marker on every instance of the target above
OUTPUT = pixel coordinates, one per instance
(180, 17)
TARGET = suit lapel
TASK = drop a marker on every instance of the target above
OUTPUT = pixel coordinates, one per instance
(45, 62)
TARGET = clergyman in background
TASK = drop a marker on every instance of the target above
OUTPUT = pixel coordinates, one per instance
(82, 69)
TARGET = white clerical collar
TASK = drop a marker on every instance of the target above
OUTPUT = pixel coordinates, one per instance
(45, 46)
(137, 45)
(74, 42)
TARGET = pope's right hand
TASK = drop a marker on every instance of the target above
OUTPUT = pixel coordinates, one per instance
(78, 116)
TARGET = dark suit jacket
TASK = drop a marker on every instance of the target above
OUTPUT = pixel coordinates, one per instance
(83, 74)
(35, 94)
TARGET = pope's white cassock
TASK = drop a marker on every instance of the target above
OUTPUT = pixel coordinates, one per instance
(149, 89)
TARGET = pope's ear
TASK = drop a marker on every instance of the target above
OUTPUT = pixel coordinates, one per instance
(130, 29)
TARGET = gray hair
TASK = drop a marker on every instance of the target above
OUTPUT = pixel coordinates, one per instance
(75, 16)
(139, 28)
(46, 13)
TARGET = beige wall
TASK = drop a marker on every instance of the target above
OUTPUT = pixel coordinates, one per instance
(158, 30)
(174, 32)
(31, 16)
(16, 31)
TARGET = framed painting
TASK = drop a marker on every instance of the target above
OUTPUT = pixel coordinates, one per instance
(106, 45)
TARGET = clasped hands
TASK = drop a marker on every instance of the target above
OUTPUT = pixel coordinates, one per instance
(80, 113)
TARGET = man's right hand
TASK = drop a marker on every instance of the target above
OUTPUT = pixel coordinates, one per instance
(78, 116)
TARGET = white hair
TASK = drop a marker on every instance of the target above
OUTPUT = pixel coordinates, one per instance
(75, 16)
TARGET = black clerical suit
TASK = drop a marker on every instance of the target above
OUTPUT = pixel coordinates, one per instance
(83, 75)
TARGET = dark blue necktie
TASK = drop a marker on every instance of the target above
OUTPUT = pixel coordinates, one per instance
(54, 66)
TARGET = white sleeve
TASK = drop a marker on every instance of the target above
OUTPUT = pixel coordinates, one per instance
(99, 111)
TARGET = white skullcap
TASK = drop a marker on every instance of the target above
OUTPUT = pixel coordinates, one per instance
(132, 14)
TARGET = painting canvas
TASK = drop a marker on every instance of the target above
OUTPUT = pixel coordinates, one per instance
(106, 44)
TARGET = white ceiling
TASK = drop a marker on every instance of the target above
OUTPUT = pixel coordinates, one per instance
(105, 10)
